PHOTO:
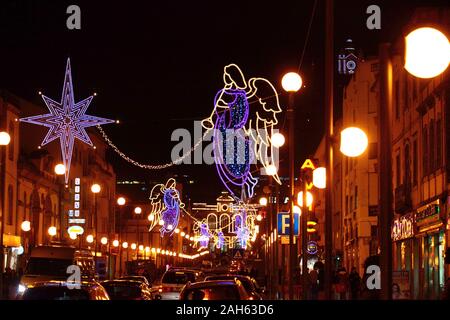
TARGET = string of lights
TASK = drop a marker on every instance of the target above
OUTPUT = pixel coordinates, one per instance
(149, 166)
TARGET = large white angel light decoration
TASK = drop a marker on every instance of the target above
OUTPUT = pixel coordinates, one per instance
(246, 112)
(165, 207)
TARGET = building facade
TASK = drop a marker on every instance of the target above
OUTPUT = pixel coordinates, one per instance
(420, 128)
(359, 175)
(35, 194)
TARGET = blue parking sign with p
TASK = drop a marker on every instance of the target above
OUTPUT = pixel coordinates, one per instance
(283, 223)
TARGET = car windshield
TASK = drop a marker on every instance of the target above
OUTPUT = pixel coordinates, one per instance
(55, 293)
(178, 277)
(122, 291)
(213, 293)
(141, 279)
(45, 266)
(246, 283)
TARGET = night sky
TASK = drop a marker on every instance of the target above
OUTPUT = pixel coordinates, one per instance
(156, 65)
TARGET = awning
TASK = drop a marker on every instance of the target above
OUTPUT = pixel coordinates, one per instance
(10, 240)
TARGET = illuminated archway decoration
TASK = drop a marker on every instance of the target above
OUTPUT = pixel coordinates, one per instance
(67, 120)
(166, 205)
(241, 227)
(246, 111)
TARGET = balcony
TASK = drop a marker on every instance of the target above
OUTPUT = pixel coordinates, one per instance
(403, 201)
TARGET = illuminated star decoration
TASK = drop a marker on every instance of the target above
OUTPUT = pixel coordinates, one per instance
(67, 120)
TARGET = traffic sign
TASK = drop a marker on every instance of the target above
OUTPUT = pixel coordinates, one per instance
(238, 253)
(283, 223)
(285, 239)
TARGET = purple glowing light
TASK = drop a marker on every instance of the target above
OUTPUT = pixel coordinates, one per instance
(204, 235)
(67, 120)
(233, 120)
(171, 215)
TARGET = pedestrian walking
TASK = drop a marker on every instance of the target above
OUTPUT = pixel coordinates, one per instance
(342, 284)
(313, 284)
(355, 284)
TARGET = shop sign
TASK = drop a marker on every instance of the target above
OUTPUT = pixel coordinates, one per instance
(403, 228)
(428, 214)
(312, 247)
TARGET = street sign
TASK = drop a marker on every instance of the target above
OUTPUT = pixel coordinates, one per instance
(283, 223)
(312, 247)
(285, 239)
(238, 253)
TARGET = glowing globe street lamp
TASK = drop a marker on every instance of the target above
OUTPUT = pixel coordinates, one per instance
(427, 52)
(51, 231)
(121, 201)
(25, 226)
(89, 238)
(354, 142)
(278, 140)
(263, 201)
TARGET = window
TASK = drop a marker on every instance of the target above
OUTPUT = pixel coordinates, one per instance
(374, 231)
(346, 204)
(356, 197)
(373, 150)
(397, 99)
(432, 147)
(10, 205)
(425, 151)
(439, 143)
(414, 85)
(397, 170)
(407, 166)
(24, 206)
(405, 91)
(11, 143)
(415, 166)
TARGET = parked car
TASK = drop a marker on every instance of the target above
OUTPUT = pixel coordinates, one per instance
(253, 289)
(62, 290)
(173, 281)
(127, 290)
(136, 278)
(48, 263)
(214, 290)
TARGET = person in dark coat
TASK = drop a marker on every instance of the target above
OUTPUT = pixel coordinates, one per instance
(355, 284)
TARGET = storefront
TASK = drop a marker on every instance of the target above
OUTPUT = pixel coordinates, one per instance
(404, 281)
(430, 243)
(12, 251)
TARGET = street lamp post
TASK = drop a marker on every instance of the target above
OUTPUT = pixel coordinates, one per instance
(95, 188)
(291, 82)
(137, 211)
(60, 169)
(121, 202)
(4, 141)
(329, 125)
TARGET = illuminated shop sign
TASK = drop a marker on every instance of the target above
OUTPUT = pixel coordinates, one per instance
(312, 247)
(403, 228)
(74, 213)
(428, 214)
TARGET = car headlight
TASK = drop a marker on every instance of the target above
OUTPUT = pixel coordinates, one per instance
(21, 288)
